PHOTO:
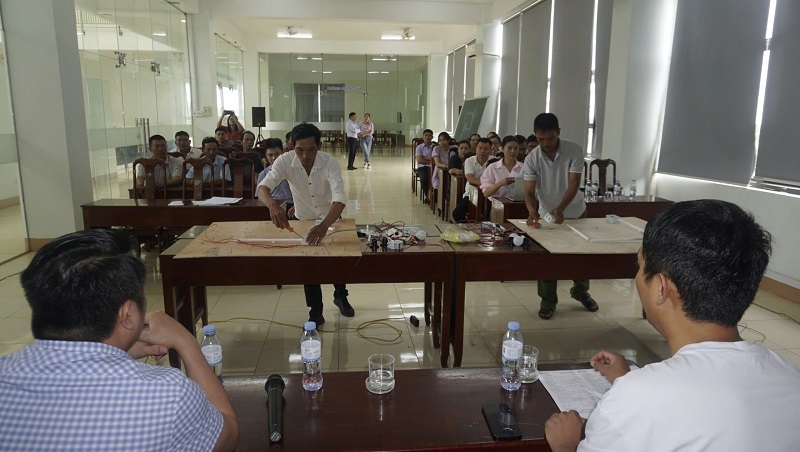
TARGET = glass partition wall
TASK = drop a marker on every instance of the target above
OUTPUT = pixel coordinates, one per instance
(136, 82)
(324, 89)
(13, 240)
(230, 93)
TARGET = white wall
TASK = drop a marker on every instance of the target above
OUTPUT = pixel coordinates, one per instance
(435, 116)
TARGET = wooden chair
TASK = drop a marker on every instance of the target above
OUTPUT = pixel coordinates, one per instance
(227, 152)
(602, 168)
(414, 177)
(150, 192)
(196, 183)
(238, 166)
(258, 165)
(175, 154)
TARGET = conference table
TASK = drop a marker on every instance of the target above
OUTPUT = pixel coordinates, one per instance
(178, 192)
(185, 280)
(476, 262)
(429, 409)
(157, 213)
(644, 207)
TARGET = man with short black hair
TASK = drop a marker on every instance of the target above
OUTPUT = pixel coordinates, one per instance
(424, 156)
(699, 268)
(158, 147)
(473, 170)
(78, 387)
(315, 179)
(183, 146)
(352, 131)
(221, 134)
(552, 174)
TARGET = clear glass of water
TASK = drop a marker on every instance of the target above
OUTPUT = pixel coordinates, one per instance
(381, 374)
(528, 372)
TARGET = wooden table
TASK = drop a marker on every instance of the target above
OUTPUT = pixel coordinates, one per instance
(157, 213)
(643, 207)
(430, 409)
(184, 280)
(176, 192)
(481, 263)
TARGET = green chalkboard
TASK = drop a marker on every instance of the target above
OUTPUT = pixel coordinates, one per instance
(470, 118)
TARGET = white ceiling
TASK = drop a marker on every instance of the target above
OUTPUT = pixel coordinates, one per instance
(354, 26)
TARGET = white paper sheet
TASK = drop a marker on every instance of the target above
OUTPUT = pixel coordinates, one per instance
(578, 390)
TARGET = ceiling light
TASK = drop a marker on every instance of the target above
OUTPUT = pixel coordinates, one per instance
(406, 35)
(316, 58)
(159, 33)
(302, 58)
(292, 33)
(373, 72)
(384, 72)
(327, 72)
(183, 21)
(380, 59)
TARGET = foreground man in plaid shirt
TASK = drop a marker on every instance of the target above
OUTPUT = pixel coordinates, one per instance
(79, 388)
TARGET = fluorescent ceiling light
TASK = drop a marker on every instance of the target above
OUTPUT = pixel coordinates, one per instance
(327, 72)
(183, 21)
(384, 72)
(373, 72)
(159, 33)
(391, 37)
(302, 58)
(380, 59)
(406, 35)
(316, 58)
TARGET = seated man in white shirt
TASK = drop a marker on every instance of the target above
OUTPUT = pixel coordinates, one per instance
(210, 149)
(315, 180)
(700, 266)
(183, 146)
(158, 147)
(78, 387)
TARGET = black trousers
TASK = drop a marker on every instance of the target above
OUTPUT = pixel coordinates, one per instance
(352, 145)
(314, 295)
(461, 210)
(424, 180)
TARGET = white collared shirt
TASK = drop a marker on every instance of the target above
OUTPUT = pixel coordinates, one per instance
(352, 129)
(313, 194)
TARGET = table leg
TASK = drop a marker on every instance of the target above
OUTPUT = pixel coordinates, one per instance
(427, 302)
(437, 313)
(453, 314)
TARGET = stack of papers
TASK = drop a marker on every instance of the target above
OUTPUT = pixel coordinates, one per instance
(578, 390)
(215, 201)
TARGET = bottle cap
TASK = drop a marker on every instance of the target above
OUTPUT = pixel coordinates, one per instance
(309, 326)
(209, 330)
(513, 326)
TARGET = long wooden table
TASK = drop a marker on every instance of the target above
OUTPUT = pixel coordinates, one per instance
(484, 263)
(176, 192)
(184, 280)
(157, 213)
(643, 207)
(429, 409)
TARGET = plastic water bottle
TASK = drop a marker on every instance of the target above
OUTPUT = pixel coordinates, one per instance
(595, 190)
(512, 356)
(311, 354)
(212, 349)
(617, 190)
(588, 189)
(633, 189)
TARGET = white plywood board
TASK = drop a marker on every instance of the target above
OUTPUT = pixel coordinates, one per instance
(563, 238)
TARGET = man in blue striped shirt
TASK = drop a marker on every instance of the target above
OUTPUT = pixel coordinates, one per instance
(78, 387)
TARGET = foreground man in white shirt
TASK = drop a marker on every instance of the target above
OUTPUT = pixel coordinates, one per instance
(700, 266)
(315, 180)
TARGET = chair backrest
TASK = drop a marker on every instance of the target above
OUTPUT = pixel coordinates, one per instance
(175, 154)
(238, 166)
(227, 152)
(493, 160)
(196, 183)
(602, 167)
(150, 179)
(237, 145)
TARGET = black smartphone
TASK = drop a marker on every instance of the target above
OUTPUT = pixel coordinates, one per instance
(228, 112)
(502, 424)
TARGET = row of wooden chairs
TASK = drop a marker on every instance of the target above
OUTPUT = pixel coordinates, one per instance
(241, 168)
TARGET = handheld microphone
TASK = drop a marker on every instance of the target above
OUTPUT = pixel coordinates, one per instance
(274, 387)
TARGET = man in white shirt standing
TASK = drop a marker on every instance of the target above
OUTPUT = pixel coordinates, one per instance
(700, 266)
(315, 180)
(552, 174)
(353, 132)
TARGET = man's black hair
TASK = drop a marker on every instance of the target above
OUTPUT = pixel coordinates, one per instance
(273, 143)
(181, 133)
(221, 129)
(532, 137)
(251, 133)
(76, 284)
(545, 122)
(306, 130)
(156, 138)
(207, 140)
(486, 141)
(713, 251)
(426, 131)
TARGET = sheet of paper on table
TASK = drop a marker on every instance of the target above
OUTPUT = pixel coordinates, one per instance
(215, 201)
(578, 390)
(573, 236)
(262, 238)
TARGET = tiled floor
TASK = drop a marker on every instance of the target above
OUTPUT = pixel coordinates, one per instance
(260, 325)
